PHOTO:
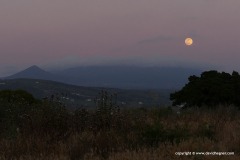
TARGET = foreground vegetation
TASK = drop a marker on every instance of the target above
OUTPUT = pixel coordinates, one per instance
(33, 129)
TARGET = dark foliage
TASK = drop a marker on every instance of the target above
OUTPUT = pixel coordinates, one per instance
(210, 89)
(15, 107)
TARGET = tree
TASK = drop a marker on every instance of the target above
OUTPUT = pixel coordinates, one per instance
(14, 105)
(16, 96)
(212, 88)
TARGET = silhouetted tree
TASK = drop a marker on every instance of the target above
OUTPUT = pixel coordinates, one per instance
(15, 105)
(212, 88)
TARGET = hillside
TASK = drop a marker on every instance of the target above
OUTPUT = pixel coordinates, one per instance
(76, 96)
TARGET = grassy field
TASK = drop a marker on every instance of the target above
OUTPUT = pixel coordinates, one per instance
(51, 132)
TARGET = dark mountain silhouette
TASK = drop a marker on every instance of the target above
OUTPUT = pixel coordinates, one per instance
(34, 72)
(126, 77)
(130, 77)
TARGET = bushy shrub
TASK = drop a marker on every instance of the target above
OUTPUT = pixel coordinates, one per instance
(14, 105)
(153, 135)
(156, 134)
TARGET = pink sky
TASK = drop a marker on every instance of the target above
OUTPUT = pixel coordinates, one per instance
(145, 32)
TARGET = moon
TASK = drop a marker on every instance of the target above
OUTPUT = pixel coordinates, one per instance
(188, 41)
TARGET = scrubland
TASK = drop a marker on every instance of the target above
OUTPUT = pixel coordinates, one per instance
(47, 130)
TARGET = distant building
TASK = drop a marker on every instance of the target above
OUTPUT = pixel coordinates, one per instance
(89, 100)
(123, 103)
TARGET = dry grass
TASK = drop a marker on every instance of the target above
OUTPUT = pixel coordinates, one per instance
(133, 137)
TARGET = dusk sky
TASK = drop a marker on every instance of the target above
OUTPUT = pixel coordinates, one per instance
(62, 33)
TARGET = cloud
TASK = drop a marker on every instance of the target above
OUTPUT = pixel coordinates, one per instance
(156, 39)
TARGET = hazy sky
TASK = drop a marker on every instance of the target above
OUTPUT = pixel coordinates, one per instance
(70, 32)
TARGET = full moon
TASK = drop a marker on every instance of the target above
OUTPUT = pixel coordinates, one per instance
(188, 41)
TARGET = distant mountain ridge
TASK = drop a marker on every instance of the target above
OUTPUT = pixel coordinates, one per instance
(130, 77)
(33, 72)
(125, 77)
